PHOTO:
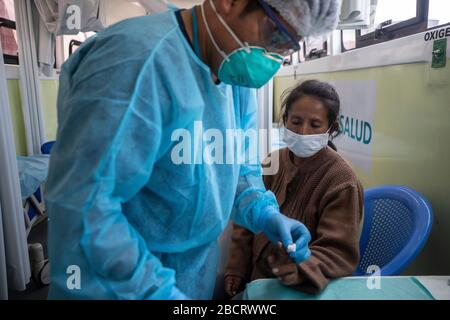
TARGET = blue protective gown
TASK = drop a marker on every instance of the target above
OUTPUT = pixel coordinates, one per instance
(132, 222)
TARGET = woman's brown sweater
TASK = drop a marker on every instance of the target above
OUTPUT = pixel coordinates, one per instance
(324, 194)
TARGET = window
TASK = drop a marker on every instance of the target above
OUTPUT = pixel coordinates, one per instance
(315, 48)
(8, 35)
(395, 19)
(289, 60)
(395, 11)
(438, 13)
(348, 38)
(72, 42)
(301, 54)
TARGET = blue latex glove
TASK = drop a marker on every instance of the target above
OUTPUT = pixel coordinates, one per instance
(279, 228)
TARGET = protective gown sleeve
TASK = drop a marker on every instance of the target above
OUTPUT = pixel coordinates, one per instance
(109, 134)
(253, 202)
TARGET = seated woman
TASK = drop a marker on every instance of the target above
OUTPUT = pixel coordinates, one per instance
(314, 185)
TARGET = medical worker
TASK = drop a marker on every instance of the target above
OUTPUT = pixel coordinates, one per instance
(128, 220)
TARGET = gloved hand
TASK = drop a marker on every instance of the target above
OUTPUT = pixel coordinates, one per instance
(279, 228)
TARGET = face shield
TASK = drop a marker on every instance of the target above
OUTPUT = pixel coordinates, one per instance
(275, 35)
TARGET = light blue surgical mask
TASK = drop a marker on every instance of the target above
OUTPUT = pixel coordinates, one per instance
(247, 66)
(305, 146)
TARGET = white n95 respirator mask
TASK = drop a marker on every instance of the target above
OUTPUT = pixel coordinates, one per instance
(305, 146)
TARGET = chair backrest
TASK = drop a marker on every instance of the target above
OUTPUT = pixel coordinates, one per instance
(47, 147)
(397, 223)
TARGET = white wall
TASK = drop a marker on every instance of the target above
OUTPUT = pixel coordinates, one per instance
(117, 10)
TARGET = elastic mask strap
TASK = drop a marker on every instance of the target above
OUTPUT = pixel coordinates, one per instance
(195, 32)
(275, 57)
(244, 46)
(223, 54)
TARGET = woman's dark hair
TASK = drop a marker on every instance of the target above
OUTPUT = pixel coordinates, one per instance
(323, 91)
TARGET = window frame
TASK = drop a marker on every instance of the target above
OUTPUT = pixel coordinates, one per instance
(72, 43)
(308, 56)
(343, 48)
(444, 25)
(398, 30)
(9, 24)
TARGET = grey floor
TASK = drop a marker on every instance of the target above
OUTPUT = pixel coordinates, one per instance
(38, 234)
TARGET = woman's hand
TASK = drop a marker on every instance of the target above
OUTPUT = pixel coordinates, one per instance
(283, 267)
(233, 284)
(287, 273)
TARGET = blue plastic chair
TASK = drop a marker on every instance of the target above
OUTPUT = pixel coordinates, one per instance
(33, 211)
(397, 223)
(47, 147)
